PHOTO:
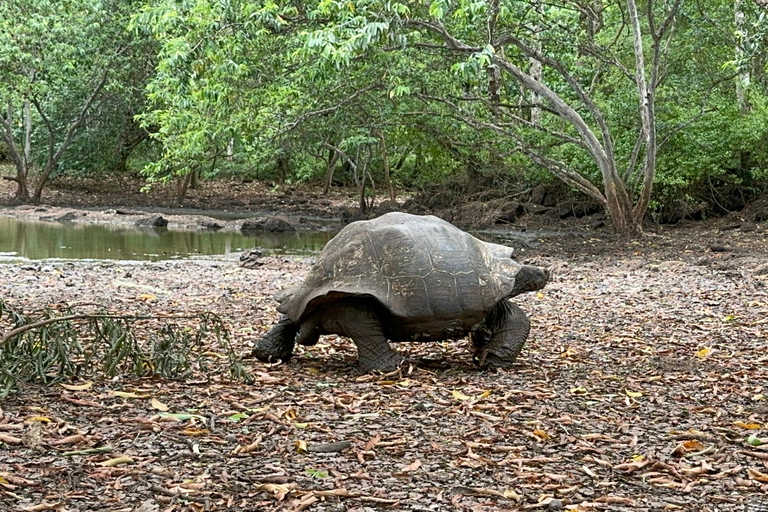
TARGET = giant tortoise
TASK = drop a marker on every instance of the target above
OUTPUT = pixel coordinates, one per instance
(404, 277)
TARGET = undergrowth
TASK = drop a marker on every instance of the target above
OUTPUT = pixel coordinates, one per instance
(53, 346)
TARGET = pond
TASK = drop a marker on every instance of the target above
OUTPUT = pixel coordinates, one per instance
(21, 240)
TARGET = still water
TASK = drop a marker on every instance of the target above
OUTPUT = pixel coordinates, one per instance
(42, 240)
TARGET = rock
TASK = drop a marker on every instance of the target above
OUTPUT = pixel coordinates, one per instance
(719, 248)
(729, 227)
(577, 208)
(597, 224)
(252, 258)
(535, 209)
(555, 504)
(351, 215)
(211, 224)
(155, 221)
(67, 217)
(748, 227)
(538, 194)
(271, 225)
(386, 207)
(510, 212)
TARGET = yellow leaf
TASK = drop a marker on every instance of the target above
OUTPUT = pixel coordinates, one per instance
(458, 395)
(146, 297)
(579, 391)
(116, 462)
(404, 383)
(126, 394)
(541, 434)
(301, 446)
(160, 406)
(746, 426)
(637, 457)
(290, 414)
(302, 425)
(484, 394)
(539, 295)
(633, 394)
(701, 354)
(77, 387)
(512, 495)
(38, 419)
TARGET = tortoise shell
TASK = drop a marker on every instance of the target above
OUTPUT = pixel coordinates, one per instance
(435, 280)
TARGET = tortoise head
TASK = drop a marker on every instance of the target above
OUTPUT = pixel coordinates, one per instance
(530, 279)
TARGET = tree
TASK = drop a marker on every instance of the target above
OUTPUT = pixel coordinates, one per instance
(490, 45)
(55, 61)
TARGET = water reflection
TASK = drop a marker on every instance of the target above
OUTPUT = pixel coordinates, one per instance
(41, 240)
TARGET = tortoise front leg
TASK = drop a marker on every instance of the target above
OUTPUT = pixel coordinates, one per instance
(278, 343)
(500, 338)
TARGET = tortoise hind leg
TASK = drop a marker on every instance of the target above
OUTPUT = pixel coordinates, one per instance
(278, 343)
(500, 338)
(361, 320)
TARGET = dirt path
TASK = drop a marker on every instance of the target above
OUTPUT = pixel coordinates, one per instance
(645, 375)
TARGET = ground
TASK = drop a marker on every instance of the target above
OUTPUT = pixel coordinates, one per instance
(643, 387)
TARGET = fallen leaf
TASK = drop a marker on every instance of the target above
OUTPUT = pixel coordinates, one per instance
(458, 395)
(117, 461)
(746, 426)
(757, 475)
(194, 432)
(37, 419)
(127, 394)
(413, 466)
(301, 447)
(701, 354)
(541, 434)
(579, 391)
(160, 406)
(77, 387)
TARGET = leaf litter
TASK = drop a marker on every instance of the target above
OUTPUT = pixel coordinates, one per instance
(643, 387)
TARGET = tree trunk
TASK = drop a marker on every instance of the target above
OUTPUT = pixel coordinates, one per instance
(19, 159)
(182, 185)
(333, 157)
(385, 159)
(744, 77)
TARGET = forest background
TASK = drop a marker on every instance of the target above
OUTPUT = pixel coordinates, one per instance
(651, 109)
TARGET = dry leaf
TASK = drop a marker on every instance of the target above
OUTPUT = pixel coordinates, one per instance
(541, 434)
(194, 432)
(757, 475)
(458, 395)
(77, 387)
(413, 466)
(127, 394)
(160, 406)
(703, 352)
(117, 461)
(746, 426)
